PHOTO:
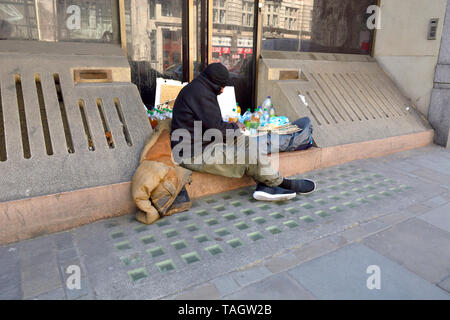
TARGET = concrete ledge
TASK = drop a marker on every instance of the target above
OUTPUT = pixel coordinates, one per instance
(292, 163)
(29, 218)
(32, 217)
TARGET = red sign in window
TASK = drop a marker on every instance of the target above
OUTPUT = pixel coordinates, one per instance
(244, 50)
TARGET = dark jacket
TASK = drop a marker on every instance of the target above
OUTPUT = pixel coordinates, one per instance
(197, 101)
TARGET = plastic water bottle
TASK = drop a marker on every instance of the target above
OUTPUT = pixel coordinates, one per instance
(152, 118)
(267, 103)
(166, 113)
(247, 118)
(259, 111)
(254, 121)
(160, 115)
(233, 116)
(272, 112)
(265, 118)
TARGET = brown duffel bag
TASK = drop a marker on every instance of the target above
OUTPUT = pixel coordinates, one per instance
(158, 181)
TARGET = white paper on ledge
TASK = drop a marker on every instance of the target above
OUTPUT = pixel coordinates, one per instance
(227, 101)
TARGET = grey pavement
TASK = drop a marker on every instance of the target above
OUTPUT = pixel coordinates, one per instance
(374, 229)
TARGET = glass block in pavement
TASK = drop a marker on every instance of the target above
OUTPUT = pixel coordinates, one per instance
(273, 229)
(230, 216)
(236, 242)
(190, 257)
(138, 274)
(222, 232)
(255, 236)
(124, 245)
(156, 252)
(259, 220)
(166, 265)
(201, 238)
(215, 249)
(179, 244)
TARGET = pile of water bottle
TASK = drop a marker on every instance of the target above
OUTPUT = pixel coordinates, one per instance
(261, 117)
(253, 120)
(158, 114)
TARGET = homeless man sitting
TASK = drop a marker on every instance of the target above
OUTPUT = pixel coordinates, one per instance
(197, 119)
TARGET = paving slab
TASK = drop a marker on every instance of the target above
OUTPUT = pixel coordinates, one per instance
(282, 262)
(418, 246)
(315, 249)
(433, 175)
(445, 284)
(342, 274)
(277, 287)
(364, 230)
(251, 275)
(438, 217)
(226, 284)
(39, 271)
(55, 294)
(206, 292)
(436, 202)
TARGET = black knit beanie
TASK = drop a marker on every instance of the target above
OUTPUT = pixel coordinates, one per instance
(218, 74)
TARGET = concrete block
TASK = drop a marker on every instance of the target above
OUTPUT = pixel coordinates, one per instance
(31, 169)
(439, 115)
(348, 100)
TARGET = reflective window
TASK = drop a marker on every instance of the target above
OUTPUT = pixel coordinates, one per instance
(60, 20)
(232, 45)
(337, 26)
(154, 43)
(86, 20)
(18, 20)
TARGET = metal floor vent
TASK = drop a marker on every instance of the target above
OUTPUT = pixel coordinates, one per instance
(348, 97)
(57, 136)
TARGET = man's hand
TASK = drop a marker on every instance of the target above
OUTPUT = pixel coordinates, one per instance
(241, 125)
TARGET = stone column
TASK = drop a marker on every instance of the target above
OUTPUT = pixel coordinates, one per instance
(439, 113)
